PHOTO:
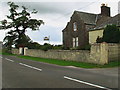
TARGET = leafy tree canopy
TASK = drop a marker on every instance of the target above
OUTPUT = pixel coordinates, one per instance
(20, 21)
(111, 34)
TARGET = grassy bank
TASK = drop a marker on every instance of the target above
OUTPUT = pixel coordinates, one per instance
(67, 63)
(71, 63)
(3, 53)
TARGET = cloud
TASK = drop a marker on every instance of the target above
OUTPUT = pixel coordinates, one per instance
(59, 0)
(119, 7)
(55, 14)
(49, 31)
(52, 7)
(2, 34)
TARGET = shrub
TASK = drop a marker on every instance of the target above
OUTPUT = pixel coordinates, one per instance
(57, 47)
(111, 34)
(86, 47)
(5, 50)
(46, 47)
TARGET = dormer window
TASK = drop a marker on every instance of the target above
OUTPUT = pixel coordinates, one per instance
(75, 26)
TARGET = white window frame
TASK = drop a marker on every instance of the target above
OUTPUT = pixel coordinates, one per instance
(74, 42)
(75, 26)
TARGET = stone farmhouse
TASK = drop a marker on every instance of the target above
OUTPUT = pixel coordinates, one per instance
(84, 28)
(98, 30)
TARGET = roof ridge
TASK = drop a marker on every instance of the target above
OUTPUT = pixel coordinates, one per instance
(86, 12)
(110, 20)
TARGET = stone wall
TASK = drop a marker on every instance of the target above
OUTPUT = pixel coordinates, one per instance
(80, 56)
(15, 51)
(104, 53)
(113, 52)
(99, 54)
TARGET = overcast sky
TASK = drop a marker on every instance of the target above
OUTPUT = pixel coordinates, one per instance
(55, 14)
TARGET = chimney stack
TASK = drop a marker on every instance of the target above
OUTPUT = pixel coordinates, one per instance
(105, 10)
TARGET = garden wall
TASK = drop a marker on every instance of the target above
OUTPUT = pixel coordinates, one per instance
(15, 51)
(114, 52)
(70, 55)
(101, 53)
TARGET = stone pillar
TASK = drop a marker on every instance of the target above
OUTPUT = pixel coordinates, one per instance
(103, 53)
(20, 50)
(25, 48)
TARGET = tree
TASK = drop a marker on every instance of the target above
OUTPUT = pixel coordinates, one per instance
(9, 40)
(20, 21)
(34, 45)
(24, 41)
(46, 46)
(111, 34)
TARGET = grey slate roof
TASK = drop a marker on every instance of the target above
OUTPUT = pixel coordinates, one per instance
(113, 20)
(98, 20)
(88, 18)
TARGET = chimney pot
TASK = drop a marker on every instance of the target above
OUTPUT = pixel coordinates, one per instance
(105, 10)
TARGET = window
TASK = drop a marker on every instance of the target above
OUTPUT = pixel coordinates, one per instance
(75, 26)
(75, 42)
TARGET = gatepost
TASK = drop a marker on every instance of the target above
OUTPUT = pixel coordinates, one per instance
(103, 53)
(21, 50)
(25, 49)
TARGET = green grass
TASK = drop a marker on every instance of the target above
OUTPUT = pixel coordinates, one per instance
(3, 53)
(67, 63)
(71, 63)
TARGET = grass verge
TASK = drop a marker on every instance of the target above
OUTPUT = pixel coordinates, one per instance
(67, 63)
(3, 53)
(72, 63)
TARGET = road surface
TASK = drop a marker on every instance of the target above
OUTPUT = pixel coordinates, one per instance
(21, 73)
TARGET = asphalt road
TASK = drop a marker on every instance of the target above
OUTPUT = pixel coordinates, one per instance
(21, 73)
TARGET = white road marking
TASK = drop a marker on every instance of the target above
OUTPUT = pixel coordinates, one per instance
(86, 83)
(71, 66)
(30, 66)
(9, 60)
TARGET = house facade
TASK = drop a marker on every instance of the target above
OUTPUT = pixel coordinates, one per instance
(71, 34)
(76, 32)
(98, 30)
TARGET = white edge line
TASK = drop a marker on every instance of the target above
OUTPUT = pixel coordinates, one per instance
(9, 59)
(30, 66)
(86, 83)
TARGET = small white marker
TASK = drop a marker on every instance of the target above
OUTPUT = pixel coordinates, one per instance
(86, 83)
(9, 60)
(30, 66)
